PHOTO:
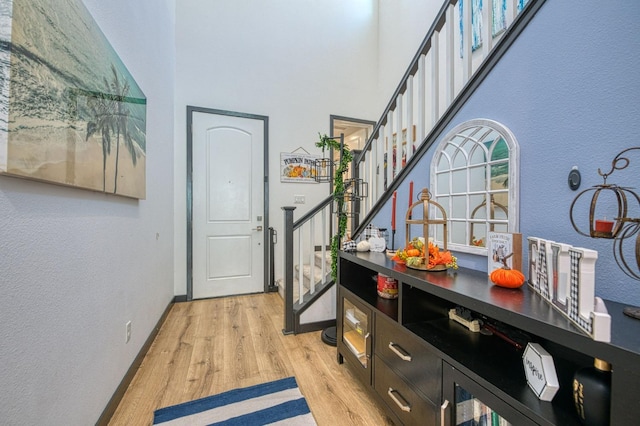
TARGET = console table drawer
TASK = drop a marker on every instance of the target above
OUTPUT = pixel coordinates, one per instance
(410, 408)
(405, 353)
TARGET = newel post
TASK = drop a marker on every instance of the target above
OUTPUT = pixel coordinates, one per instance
(288, 269)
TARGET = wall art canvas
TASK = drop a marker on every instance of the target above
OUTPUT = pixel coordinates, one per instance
(499, 21)
(70, 111)
(476, 25)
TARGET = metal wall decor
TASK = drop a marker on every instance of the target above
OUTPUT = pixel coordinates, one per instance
(621, 227)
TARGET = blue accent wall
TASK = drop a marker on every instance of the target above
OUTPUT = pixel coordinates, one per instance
(569, 90)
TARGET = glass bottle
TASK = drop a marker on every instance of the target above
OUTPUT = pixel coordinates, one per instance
(592, 393)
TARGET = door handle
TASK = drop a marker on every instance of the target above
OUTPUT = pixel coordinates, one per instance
(259, 228)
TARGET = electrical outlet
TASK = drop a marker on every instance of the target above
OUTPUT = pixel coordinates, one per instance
(128, 332)
(298, 199)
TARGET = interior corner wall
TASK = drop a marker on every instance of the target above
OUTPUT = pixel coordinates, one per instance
(77, 265)
(568, 91)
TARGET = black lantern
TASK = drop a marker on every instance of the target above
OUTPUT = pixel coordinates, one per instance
(323, 169)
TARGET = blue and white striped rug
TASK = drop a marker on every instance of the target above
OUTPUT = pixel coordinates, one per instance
(274, 403)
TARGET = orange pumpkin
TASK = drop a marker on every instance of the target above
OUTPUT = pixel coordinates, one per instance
(510, 278)
(413, 252)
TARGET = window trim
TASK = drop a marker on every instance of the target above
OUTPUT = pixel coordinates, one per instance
(513, 209)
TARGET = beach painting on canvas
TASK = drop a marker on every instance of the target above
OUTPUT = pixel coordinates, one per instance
(70, 111)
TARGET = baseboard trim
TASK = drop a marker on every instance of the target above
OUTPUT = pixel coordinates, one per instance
(180, 298)
(113, 403)
(315, 326)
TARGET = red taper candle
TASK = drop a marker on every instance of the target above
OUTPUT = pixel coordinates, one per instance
(393, 211)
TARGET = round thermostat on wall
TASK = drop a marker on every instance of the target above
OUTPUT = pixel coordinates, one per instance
(574, 178)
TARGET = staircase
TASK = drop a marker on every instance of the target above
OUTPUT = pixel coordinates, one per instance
(457, 53)
(320, 274)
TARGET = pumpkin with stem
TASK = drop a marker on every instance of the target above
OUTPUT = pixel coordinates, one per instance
(506, 277)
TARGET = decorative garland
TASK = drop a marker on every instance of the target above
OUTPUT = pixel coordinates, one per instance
(338, 194)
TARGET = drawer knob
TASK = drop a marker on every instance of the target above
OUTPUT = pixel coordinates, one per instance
(398, 350)
(399, 400)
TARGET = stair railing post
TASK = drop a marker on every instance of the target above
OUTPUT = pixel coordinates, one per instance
(288, 270)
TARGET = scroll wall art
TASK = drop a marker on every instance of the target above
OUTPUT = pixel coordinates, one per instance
(70, 111)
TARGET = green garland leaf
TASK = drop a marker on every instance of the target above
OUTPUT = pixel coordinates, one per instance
(346, 157)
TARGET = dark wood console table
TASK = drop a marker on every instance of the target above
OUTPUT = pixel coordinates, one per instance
(417, 361)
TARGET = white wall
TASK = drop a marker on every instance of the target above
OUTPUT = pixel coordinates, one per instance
(76, 265)
(403, 25)
(296, 62)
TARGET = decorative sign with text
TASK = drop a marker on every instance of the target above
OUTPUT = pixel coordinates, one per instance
(297, 167)
(499, 246)
(565, 276)
(540, 371)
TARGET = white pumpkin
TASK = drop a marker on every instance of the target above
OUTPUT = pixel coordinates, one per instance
(377, 244)
(363, 246)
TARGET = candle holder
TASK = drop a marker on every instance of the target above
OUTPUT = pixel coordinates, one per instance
(622, 227)
(322, 169)
(356, 189)
(424, 199)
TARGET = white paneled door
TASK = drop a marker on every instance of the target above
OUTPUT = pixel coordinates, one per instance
(228, 205)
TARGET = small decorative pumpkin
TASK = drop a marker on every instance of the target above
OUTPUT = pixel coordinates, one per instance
(363, 246)
(506, 277)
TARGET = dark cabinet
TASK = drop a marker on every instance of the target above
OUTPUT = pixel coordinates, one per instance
(425, 368)
(466, 403)
(354, 331)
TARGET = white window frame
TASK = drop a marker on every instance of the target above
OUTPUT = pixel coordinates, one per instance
(475, 131)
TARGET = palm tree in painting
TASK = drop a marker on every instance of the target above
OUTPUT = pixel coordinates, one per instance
(101, 107)
(121, 122)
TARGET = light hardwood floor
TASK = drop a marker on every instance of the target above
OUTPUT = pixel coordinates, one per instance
(211, 346)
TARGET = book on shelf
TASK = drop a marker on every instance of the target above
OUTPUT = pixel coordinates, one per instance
(351, 317)
(355, 341)
(499, 246)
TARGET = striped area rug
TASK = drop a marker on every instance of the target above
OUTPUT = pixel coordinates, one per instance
(274, 403)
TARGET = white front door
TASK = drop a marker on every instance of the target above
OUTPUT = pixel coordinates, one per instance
(228, 205)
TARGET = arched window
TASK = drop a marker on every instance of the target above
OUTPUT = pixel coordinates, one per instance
(474, 176)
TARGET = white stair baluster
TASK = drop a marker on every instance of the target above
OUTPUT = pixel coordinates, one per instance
(323, 249)
(487, 27)
(409, 126)
(312, 256)
(450, 55)
(435, 79)
(300, 267)
(467, 49)
(398, 131)
(422, 96)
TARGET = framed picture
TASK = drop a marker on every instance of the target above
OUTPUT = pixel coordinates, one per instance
(297, 167)
(70, 111)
